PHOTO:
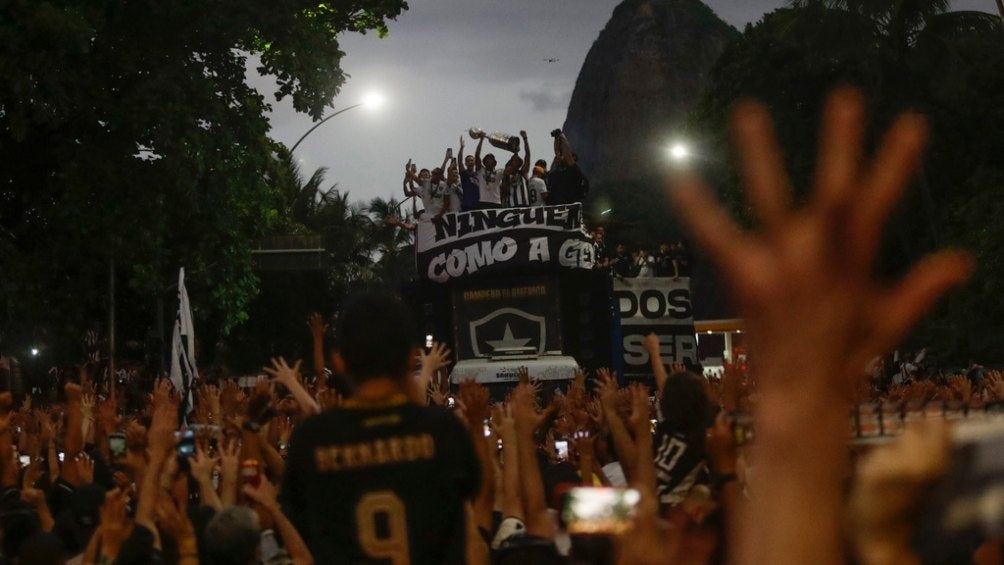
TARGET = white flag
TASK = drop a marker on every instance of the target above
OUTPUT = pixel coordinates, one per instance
(183, 370)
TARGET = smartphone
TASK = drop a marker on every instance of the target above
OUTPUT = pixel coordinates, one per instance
(186, 444)
(599, 511)
(451, 402)
(117, 445)
(449, 153)
(428, 341)
(488, 428)
(25, 460)
(251, 472)
(742, 427)
(956, 508)
(61, 456)
(561, 447)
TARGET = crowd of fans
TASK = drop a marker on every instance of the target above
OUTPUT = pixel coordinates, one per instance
(86, 479)
(480, 184)
(669, 260)
(366, 463)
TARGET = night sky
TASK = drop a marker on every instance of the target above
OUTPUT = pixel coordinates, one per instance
(448, 65)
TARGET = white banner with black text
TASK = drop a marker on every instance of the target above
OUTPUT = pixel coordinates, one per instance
(659, 305)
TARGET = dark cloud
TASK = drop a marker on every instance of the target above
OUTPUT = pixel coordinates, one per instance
(546, 98)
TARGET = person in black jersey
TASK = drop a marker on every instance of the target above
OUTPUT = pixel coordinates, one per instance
(380, 479)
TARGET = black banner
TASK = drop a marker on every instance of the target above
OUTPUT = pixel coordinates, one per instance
(514, 313)
(525, 240)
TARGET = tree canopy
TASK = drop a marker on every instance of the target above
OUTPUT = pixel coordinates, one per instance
(129, 131)
(905, 56)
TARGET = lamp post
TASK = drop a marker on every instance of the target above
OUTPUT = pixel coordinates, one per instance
(318, 124)
(372, 100)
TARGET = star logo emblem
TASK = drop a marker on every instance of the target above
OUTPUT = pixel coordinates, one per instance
(507, 341)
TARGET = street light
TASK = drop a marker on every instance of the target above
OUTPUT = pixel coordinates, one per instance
(679, 151)
(373, 99)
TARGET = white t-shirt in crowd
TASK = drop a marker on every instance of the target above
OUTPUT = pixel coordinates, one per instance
(454, 196)
(489, 183)
(535, 192)
(432, 198)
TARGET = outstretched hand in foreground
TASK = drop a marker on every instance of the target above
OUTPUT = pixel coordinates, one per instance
(814, 312)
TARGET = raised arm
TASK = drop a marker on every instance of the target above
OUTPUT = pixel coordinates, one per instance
(73, 441)
(460, 152)
(477, 153)
(437, 358)
(161, 440)
(317, 330)
(202, 466)
(265, 495)
(563, 150)
(289, 377)
(814, 313)
(476, 411)
(527, 421)
(651, 345)
(618, 431)
(408, 186)
(525, 171)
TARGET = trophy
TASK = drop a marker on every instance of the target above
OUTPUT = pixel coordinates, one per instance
(498, 139)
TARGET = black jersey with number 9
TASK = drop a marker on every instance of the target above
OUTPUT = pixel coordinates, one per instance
(382, 483)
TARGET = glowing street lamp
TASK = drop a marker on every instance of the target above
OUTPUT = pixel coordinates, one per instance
(374, 100)
(680, 152)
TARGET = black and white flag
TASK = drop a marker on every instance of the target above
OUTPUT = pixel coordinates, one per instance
(183, 371)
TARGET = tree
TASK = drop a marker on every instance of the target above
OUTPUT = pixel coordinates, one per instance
(904, 55)
(129, 132)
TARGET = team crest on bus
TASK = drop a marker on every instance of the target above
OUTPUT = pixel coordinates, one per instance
(508, 330)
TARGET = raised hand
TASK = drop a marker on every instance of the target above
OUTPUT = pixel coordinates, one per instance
(115, 526)
(87, 402)
(437, 357)
(523, 375)
(791, 279)
(891, 484)
(264, 494)
(172, 520)
(85, 468)
(961, 386)
(474, 398)
(640, 410)
(283, 373)
(523, 405)
(651, 344)
(209, 395)
(202, 465)
(107, 413)
(809, 273)
(993, 385)
(329, 398)
(318, 327)
(229, 458)
(437, 395)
